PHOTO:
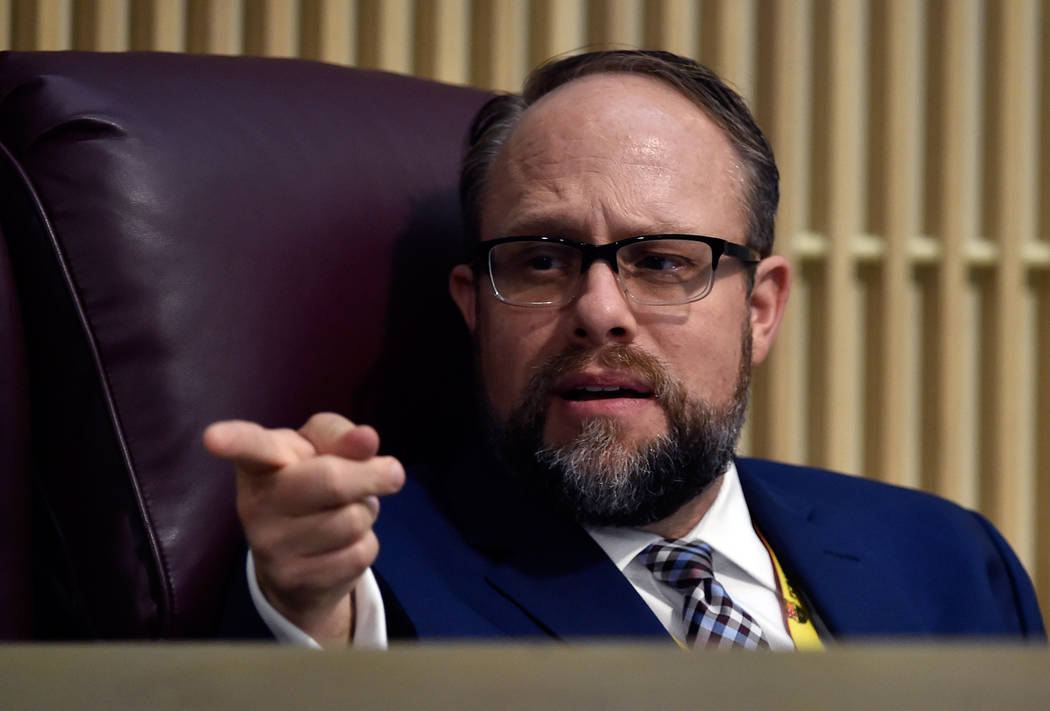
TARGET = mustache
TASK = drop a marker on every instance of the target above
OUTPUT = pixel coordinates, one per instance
(617, 357)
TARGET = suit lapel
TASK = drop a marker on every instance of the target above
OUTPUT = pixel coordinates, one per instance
(570, 588)
(824, 553)
(545, 565)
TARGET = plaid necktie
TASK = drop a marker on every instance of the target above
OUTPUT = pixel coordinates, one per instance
(711, 617)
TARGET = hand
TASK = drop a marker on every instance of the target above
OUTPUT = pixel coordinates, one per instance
(307, 501)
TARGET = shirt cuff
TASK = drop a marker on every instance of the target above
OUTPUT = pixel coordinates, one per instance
(369, 614)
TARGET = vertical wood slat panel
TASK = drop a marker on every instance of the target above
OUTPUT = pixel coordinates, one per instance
(614, 23)
(442, 39)
(897, 382)
(271, 28)
(1012, 411)
(395, 38)
(20, 27)
(1041, 571)
(226, 23)
(84, 24)
(280, 28)
(385, 35)
(166, 25)
(109, 24)
(6, 25)
(327, 30)
(728, 32)
(1044, 119)
(956, 477)
(555, 27)
(840, 443)
(498, 53)
(215, 26)
(780, 401)
(54, 28)
(369, 31)
(42, 24)
(1042, 322)
(338, 31)
(672, 25)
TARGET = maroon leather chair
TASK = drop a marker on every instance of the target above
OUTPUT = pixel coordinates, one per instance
(15, 593)
(193, 238)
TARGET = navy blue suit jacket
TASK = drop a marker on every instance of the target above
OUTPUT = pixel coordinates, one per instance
(473, 557)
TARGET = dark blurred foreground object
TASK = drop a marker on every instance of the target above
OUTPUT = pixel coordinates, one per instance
(192, 238)
(535, 676)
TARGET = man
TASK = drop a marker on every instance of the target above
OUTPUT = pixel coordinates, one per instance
(620, 215)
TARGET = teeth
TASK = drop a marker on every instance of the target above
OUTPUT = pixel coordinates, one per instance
(601, 389)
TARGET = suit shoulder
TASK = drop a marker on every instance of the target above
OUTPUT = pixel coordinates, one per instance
(930, 544)
(828, 487)
(868, 507)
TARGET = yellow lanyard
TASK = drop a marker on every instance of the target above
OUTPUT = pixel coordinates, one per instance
(799, 622)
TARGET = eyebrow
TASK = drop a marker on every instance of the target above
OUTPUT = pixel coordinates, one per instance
(553, 226)
(542, 225)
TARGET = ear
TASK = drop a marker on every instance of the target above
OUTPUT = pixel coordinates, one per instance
(464, 292)
(768, 300)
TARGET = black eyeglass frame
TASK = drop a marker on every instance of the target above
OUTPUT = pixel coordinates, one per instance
(607, 252)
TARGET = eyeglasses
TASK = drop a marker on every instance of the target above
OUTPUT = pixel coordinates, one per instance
(656, 270)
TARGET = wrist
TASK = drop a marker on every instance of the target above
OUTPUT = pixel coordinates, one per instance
(331, 626)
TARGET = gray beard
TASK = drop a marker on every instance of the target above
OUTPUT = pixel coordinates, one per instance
(601, 479)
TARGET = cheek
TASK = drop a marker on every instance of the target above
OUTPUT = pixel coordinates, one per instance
(708, 363)
(706, 374)
(510, 345)
(499, 377)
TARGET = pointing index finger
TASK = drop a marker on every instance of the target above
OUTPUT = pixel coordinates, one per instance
(254, 448)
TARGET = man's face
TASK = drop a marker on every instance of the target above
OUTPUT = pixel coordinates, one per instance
(600, 159)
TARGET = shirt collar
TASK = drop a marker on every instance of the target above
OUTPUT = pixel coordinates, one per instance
(726, 527)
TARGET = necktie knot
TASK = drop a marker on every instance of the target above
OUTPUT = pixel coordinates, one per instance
(680, 564)
(711, 617)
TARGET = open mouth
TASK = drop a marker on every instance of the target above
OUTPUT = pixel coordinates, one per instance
(599, 392)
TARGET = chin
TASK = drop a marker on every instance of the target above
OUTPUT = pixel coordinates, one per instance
(629, 432)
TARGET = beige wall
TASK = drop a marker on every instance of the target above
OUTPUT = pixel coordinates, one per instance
(914, 143)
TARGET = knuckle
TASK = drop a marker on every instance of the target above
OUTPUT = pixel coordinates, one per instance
(332, 479)
(358, 521)
(343, 527)
(317, 419)
(322, 422)
(362, 554)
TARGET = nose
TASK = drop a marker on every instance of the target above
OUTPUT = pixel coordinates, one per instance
(601, 311)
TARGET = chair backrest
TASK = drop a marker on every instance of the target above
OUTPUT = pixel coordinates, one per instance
(195, 238)
(15, 590)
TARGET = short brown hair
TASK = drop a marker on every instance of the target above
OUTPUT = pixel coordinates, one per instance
(498, 118)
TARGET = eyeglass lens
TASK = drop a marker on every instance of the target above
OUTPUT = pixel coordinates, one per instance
(658, 272)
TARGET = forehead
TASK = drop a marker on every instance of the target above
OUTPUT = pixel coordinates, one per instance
(617, 145)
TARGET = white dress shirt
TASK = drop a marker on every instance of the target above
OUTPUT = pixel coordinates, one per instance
(369, 614)
(740, 560)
